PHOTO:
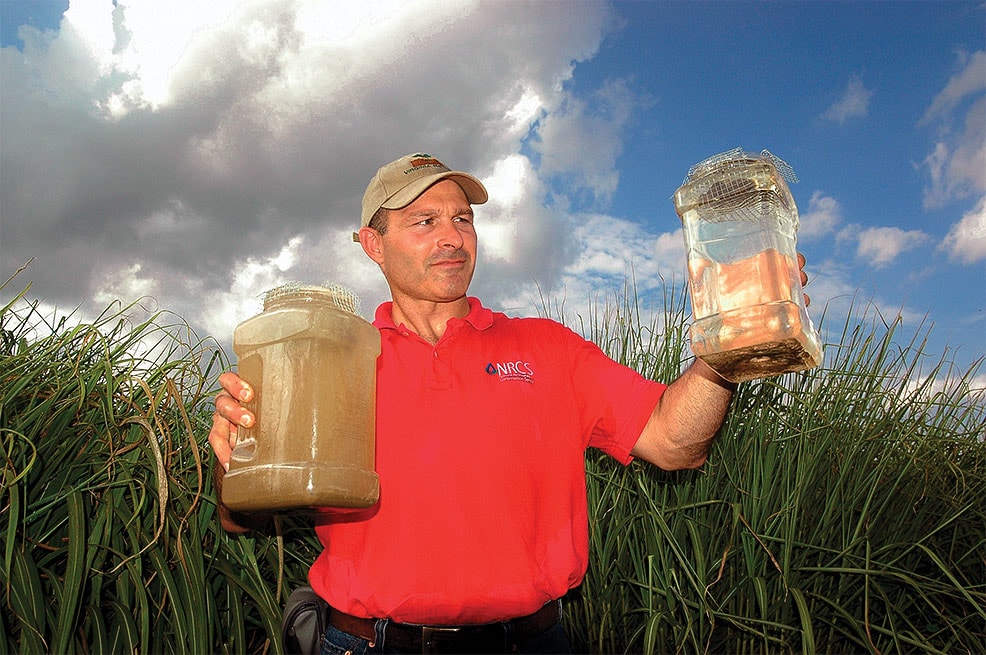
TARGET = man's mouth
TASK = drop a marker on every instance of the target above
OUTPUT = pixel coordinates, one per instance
(451, 260)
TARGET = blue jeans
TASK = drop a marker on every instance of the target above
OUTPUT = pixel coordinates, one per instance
(337, 642)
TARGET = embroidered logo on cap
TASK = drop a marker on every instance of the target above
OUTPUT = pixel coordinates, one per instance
(422, 160)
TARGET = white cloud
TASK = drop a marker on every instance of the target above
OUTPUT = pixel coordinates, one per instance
(879, 246)
(970, 80)
(583, 139)
(670, 250)
(957, 164)
(966, 241)
(501, 222)
(609, 247)
(90, 24)
(611, 250)
(200, 139)
(251, 280)
(854, 103)
(823, 216)
(125, 282)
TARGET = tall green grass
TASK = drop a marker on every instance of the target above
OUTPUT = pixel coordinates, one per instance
(109, 540)
(841, 510)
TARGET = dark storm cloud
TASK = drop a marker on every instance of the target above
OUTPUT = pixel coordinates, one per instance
(269, 132)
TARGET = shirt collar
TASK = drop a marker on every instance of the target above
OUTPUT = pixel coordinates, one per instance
(479, 316)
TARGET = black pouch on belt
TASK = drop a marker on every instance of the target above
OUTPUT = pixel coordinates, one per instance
(305, 619)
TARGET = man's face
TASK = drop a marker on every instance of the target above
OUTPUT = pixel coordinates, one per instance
(428, 252)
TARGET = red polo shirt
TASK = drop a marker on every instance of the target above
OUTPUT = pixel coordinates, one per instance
(480, 451)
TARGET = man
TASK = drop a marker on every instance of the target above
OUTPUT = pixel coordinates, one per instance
(482, 424)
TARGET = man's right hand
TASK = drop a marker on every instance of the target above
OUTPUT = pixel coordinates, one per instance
(229, 416)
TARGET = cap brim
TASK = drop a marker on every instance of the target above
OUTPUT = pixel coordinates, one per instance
(475, 191)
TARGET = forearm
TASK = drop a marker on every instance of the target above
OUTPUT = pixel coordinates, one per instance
(686, 419)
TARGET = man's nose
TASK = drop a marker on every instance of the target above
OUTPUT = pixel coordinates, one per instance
(449, 236)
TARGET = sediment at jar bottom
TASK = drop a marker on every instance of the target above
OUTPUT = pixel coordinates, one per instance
(762, 360)
(287, 487)
(757, 342)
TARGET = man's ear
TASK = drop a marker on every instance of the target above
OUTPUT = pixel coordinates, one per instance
(371, 241)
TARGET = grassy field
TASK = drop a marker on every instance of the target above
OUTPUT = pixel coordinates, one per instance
(842, 510)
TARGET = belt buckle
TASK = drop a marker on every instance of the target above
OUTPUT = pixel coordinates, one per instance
(428, 633)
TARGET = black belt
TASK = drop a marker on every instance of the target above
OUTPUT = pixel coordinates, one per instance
(486, 638)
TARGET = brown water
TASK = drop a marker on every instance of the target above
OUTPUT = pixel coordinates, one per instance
(314, 374)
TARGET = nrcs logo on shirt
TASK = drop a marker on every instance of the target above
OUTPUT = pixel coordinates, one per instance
(518, 370)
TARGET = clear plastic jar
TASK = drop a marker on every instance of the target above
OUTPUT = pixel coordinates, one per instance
(740, 224)
(312, 363)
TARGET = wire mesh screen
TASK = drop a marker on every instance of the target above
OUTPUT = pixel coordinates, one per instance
(330, 293)
(738, 185)
(738, 156)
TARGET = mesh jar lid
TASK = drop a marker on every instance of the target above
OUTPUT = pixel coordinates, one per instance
(737, 157)
(738, 185)
(329, 294)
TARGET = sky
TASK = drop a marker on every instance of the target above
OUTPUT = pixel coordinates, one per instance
(195, 154)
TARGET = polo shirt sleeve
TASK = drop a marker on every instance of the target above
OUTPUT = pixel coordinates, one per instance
(614, 400)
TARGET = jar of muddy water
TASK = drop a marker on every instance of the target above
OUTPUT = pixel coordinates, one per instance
(740, 226)
(311, 360)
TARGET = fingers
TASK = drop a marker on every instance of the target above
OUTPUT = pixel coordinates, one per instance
(229, 416)
(229, 400)
(230, 409)
(801, 269)
(222, 438)
(804, 276)
(234, 385)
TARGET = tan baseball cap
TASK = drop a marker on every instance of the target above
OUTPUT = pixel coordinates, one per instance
(397, 184)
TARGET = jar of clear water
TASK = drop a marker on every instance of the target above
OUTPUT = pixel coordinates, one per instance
(740, 226)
